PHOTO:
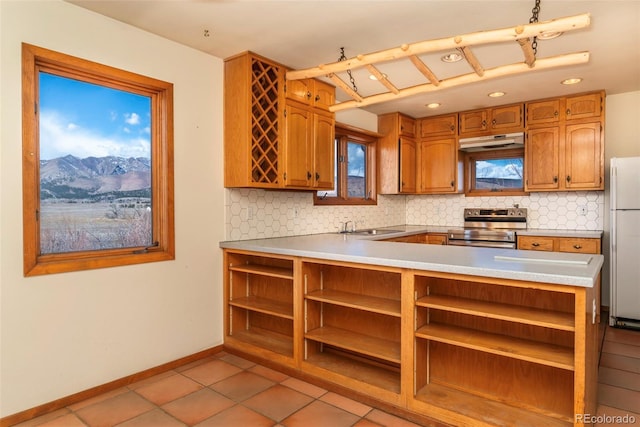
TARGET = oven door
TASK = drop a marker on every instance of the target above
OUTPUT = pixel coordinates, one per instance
(483, 244)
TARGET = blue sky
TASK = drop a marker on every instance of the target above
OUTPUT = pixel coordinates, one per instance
(84, 120)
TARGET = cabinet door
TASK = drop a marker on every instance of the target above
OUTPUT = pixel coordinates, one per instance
(439, 126)
(436, 239)
(297, 170)
(300, 90)
(324, 95)
(324, 156)
(507, 117)
(437, 164)
(583, 106)
(543, 112)
(542, 161)
(407, 165)
(584, 162)
(407, 126)
(473, 121)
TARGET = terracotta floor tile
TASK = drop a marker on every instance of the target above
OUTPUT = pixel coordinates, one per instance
(211, 372)
(388, 420)
(624, 363)
(271, 374)
(621, 349)
(237, 361)
(366, 423)
(150, 380)
(242, 386)
(155, 418)
(237, 416)
(198, 406)
(196, 363)
(44, 418)
(618, 378)
(99, 398)
(621, 398)
(168, 389)
(278, 402)
(347, 404)
(69, 420)
(115, 410)
(320, 414)
(304, 387)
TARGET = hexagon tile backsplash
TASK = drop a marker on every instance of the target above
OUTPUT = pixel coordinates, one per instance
(254, 214)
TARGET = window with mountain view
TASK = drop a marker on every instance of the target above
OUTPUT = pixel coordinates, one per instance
(97, 169)
(494, 172)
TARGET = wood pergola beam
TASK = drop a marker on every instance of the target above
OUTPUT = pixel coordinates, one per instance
(501, 71)
(472, 39)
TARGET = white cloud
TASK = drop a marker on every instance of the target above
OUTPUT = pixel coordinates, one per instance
(491, 170)
(132, 119)
(60, 138)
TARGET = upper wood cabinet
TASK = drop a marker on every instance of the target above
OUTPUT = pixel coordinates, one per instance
(564, 148)
(314, 93)
(446, 125)
(273, 132)
(437, 165)
(501, 119)
(397, 151)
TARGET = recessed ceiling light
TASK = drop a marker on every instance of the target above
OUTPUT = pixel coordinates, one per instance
(433, 105)
(496, 94)
(451, 57)
(548, 35)
(372, 77)
(571, 81)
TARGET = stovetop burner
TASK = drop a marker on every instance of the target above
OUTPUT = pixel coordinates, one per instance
(490, 227)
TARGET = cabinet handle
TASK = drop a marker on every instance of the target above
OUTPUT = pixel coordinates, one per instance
(555, 179)
(317, 98)
(493, 122)
(535, 244)
(317, 176)
(556, 113)
(308, 175)
(452, 183)
(452, 128)
(484, 123)
(568, 112)
(308, 95)
(568, 178)
(577, 246)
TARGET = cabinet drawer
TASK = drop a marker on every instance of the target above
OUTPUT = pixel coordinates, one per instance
(535, 243)
(583, 246)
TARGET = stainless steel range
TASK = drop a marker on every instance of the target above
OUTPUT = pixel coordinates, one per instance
(490, 228)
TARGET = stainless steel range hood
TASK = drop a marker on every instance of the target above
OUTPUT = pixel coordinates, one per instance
(493, 142)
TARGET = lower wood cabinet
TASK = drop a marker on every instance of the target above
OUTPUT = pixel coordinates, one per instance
(560, 244)
(463, 350)
(429, 238)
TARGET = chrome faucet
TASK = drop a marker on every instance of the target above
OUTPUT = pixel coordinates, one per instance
(345, 227)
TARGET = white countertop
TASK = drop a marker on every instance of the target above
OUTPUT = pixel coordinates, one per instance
(545, 267)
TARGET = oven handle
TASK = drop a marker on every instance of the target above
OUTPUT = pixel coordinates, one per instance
(482, 244)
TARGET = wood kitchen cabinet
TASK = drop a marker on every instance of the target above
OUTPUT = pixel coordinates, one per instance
(560, 244)
(564, 148)
(427, 238)
(437, 159)
(503, 119)
(397, 154)
(265, 144)
(439, 126)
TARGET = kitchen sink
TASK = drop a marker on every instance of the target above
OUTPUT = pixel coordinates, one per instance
(374, 231)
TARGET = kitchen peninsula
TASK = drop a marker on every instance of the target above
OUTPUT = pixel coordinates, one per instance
(467, 336)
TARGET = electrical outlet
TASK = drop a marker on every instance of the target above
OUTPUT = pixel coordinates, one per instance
(582, 210)
(296, 212)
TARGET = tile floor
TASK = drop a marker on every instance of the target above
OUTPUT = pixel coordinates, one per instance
(226, 390)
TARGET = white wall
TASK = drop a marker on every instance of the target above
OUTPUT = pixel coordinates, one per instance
(64, 333)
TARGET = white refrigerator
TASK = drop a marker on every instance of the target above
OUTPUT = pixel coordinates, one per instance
(624, 240)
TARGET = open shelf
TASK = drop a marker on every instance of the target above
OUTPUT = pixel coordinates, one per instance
(264, 338)
(359, 301)
(264, 270)
(369, 373)
(359, 343)
(479, 408)
(509, 312)
(531, 351)
(264, 305)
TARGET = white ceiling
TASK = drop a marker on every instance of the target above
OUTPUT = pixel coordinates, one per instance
(305, 33)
